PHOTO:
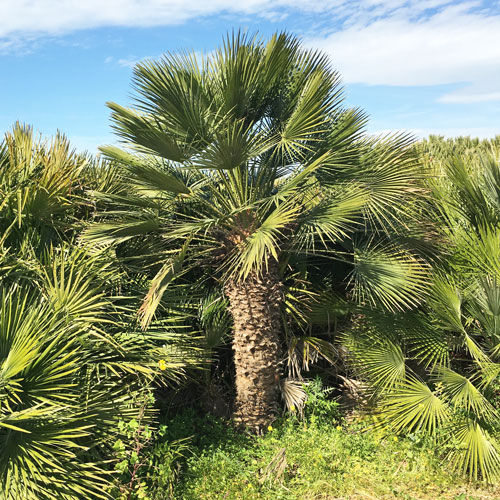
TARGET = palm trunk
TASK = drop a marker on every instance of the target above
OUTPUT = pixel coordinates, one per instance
(255, 306)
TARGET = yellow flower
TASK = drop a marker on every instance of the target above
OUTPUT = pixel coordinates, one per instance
(270, 428)
(395, 438)
(162, 364)
(292, 408)
(339, 427)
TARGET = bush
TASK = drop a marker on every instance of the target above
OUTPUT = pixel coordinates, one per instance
(319, 404)
(147, 462)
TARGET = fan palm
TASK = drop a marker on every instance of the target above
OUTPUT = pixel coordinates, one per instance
(435, 370)
(42, 185)
(70, 369)
(247, 165)
(71, 360)
(55, 411)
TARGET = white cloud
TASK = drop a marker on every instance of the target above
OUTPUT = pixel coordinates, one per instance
(454, 45)
(470, 97)
(62, 16)
(130, 62)
(378, 42)
(457, 43)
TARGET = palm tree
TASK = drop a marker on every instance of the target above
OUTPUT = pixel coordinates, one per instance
(42, 186)
(436, 370)
(246, 165)
(72, 363)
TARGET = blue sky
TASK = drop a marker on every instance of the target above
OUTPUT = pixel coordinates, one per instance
(427, 66)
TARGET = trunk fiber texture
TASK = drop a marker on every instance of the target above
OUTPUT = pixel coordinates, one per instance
(255, 305)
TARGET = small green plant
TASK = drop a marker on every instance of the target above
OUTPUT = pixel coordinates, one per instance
(319, 405)
(146, 463)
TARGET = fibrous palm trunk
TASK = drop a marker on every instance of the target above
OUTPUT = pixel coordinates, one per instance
(255, 304)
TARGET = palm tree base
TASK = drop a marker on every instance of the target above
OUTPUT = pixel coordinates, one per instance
(255, 304)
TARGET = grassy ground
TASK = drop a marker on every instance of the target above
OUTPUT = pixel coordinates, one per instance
(317, 460)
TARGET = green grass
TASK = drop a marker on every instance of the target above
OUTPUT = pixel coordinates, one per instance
(315, 460)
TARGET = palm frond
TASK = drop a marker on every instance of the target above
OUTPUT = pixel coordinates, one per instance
(412, 405)
(389, 276)
(478, 454)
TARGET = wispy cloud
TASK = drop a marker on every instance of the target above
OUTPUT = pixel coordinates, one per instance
(455, 44)
(130, 62)
(379, 42)
(470, 97)
(414, 46)
(55, 16)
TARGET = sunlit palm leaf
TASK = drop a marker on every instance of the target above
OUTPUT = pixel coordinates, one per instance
(390, 277)
(478, 454)
(413, 405)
